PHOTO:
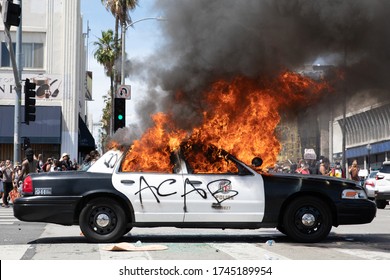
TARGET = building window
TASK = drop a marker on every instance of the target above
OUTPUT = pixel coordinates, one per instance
(32, 55)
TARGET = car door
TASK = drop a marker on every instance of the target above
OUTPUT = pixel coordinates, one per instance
(236, 196)
(155, 197)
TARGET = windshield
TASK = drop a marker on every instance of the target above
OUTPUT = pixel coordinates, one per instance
(373, 174)
(385, 169)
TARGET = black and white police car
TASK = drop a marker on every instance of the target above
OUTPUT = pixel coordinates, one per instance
(107, 202)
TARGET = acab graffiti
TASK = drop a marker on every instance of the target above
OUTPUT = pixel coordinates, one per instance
(221, 190)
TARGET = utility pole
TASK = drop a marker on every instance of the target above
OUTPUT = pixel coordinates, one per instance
(18, 97)
(12, 16)
(343, 128)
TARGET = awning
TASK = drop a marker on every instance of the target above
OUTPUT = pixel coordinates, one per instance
(86, 139)
(361, 151)
(46, 129)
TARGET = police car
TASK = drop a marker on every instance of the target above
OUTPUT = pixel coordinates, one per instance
(107, 201)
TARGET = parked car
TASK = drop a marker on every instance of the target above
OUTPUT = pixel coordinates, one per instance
(109, 199)
(382, 185)
(369, 184)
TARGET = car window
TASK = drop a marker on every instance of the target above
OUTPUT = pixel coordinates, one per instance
(385, 169)
(208, 160)
(161, 162)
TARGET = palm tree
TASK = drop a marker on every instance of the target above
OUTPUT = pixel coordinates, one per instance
(105, 55)
(120, 10)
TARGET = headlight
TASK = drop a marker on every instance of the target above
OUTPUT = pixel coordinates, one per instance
(354, 194)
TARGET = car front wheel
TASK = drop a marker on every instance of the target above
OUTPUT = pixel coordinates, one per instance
(307, 219)
(103, 220)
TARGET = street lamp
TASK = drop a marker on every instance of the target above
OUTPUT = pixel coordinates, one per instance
(368, 155)
(124, 28)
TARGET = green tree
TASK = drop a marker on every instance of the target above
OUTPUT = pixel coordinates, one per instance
(105, 55)
(106, 122)
(120, 9)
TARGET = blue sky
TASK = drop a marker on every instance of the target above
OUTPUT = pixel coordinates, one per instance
(141, 41)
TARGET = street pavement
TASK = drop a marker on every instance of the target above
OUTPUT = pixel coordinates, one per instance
(39, 241)
(7, 216)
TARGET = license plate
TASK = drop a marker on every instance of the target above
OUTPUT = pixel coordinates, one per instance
(43, 191)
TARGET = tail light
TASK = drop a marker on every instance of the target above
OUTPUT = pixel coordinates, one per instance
(379, 177)
(27, 186)
(370, 183)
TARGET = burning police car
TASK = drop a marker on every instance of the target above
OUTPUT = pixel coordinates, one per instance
(112, 197)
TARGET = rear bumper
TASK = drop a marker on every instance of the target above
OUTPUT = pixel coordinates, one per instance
(382, 195)
(356, 212)
(48, 209)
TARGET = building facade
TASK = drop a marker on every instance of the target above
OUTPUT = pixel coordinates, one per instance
(367, 131)
(53, 57)
(366, 115)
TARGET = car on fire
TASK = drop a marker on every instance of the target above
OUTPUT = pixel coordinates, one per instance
(108, 199)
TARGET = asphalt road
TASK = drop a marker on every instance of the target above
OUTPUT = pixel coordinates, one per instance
(39, 241)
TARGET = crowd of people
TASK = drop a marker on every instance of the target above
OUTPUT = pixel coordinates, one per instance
(12, 176)
(320, 167)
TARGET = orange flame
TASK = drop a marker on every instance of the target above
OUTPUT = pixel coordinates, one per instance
(240, 118)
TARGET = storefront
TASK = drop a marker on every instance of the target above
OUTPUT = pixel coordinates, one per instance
(44, 133)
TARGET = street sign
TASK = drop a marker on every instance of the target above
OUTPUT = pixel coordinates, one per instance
(124, 91)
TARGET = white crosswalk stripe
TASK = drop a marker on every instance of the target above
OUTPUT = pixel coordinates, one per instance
(7, 216)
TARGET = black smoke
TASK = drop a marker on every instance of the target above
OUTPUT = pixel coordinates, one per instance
(205, 40)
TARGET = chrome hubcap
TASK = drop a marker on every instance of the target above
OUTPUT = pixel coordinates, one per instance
(308, 220)
(102, 220)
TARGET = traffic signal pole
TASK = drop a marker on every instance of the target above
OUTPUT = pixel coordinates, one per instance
(17, 70)
(18, 97)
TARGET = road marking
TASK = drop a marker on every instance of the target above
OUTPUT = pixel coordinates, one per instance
(12, 252)
(366, 254)
(247, 251)
(7, 216)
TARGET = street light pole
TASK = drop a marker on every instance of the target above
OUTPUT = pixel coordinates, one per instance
(123, 52)
(368, 157)
(123, 37)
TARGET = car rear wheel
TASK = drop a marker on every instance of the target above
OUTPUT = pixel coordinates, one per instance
(381, 204)
(307, 219)
(103, 220)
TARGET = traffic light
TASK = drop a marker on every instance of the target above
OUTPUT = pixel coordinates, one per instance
(26, 143)
(29, 101)
(119, 113)
(11, 13)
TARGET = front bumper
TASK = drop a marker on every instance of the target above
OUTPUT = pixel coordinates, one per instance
(48, 209)
(356, 212)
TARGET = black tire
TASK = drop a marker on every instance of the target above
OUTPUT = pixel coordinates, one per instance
(128, 229)
(103, 220)
(281, 229)
(381, 204)
(307, 219)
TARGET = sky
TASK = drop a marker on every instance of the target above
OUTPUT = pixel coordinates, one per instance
(141, 41)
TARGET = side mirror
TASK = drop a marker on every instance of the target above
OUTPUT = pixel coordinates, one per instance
(256, 162)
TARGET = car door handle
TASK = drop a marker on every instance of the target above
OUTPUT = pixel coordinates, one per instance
(195, 182)
(127, 181)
